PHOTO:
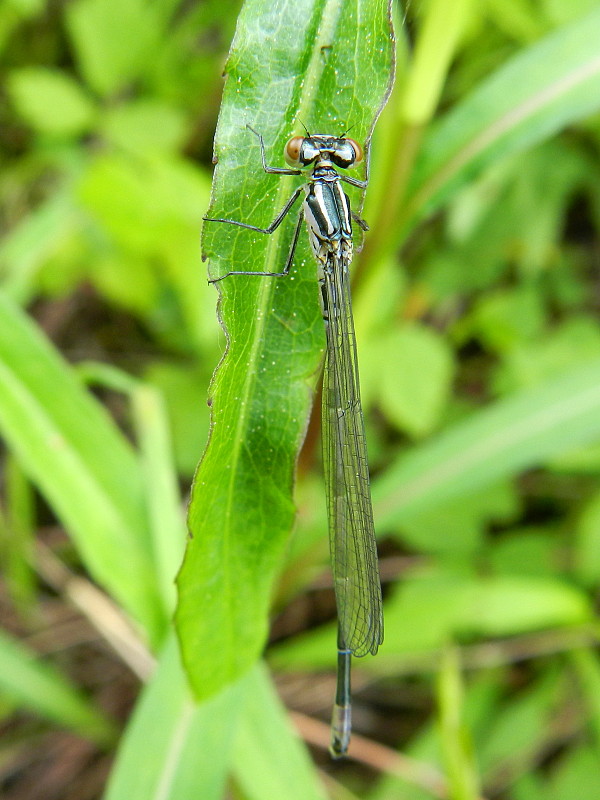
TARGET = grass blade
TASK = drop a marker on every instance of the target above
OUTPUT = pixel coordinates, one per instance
(269, 760)
(174, 748)
(541, 90)
(80, 461)
(517, 433)
(43, 690)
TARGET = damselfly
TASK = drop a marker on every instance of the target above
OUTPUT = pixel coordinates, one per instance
(328, 215)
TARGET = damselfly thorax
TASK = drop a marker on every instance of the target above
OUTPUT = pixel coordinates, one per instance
(327, 213)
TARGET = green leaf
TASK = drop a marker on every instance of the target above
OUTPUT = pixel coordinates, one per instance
(508, 605)
(147, 211)
(174, 749)
(138, 202)
(541, 90)
(457, 528)
(327, 63)
(269, 758)
(33, 241)
(17, 535)
(517, 19)
(520, 728)
(505, 318)
(114, 42)
(531, 551)
(559, 11)
(40, 688)
(576, 769)
(144, 127)
(576, 341)
(162, 499)
(51, 101)
(80, 461)
(490, 217)
(514, 434)
(529, 786)
(25, 8)
(415, 378)
(446, 605)
(160, 478)
(587, 542)
(183, 388)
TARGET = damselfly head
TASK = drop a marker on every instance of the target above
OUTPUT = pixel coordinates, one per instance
(301, 151)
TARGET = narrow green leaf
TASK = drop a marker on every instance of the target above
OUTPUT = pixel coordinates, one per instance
(160, 477)
(40, 688)
(440, 31)
(164, 506)
(517, 433)
(327, 63)
(522, 725)
(587, 542)
(553, 83)
(173, 748)
(26, 247)
(269, 759)
(184, 388)
(457, 750)
(17, 534)
(74, 453)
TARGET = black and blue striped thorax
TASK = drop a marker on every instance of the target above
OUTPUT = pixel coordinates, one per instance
(327, 213)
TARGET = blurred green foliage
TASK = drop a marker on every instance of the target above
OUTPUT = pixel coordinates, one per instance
(476, 301)
(108, 109)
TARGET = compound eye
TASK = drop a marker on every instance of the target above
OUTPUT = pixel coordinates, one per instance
(292, 151)
(357, 149)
